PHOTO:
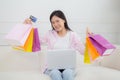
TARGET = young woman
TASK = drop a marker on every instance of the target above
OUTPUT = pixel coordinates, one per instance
(61, 37)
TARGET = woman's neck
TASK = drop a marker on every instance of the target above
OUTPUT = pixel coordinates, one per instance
(62, 32)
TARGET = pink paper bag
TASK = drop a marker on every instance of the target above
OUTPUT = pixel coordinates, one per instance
(103, 46)
(19, 34)
(36, 41)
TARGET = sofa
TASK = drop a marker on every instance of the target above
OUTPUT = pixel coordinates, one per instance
(17, 65)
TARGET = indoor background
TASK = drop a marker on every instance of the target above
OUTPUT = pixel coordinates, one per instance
(101, 16)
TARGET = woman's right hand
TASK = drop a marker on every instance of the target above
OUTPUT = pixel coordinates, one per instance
(27, 21)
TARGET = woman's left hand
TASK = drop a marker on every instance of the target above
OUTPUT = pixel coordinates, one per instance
(88, 32)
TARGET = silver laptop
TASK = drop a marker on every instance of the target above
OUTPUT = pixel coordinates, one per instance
(61, 59)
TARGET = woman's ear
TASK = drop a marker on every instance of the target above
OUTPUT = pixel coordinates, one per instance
(64, 21)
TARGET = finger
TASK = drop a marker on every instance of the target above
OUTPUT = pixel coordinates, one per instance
(88, 31)
(27, 21)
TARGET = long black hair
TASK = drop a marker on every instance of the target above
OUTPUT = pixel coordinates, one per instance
(61, 15)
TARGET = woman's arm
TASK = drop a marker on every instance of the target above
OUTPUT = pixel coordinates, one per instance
(77, 43)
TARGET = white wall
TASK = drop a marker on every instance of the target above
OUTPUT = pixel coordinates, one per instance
(102, 16)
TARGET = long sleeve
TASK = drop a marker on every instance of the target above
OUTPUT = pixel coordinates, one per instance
(49, 39)
(76, 43)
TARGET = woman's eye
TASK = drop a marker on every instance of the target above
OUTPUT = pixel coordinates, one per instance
(53, 22)
(57, 21)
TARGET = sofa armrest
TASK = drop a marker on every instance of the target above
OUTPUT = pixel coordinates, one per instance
(113, 60)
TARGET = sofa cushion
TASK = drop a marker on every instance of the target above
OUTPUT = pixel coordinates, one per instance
(23, 76)
(97, 73)
(113, 60)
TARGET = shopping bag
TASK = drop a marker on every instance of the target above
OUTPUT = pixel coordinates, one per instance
(93, 53)
(36, 41)
(19, 34)
(103, 46)
(28, 44)
(86, 55)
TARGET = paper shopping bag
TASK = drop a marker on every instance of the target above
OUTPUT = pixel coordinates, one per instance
(93, 53)
(36, 41)
(86, 55)
(28, 44)
(101, 44)
(19, 34)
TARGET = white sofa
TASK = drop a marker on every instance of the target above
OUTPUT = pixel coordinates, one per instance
(107, 68)
(15, 65)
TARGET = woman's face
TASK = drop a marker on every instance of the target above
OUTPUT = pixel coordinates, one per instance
(57, 23)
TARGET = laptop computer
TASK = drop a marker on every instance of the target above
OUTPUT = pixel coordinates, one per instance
(61, 59)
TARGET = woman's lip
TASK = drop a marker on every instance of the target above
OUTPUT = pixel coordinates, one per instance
(56, 27)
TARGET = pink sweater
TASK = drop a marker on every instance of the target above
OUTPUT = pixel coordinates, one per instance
(75, 42)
